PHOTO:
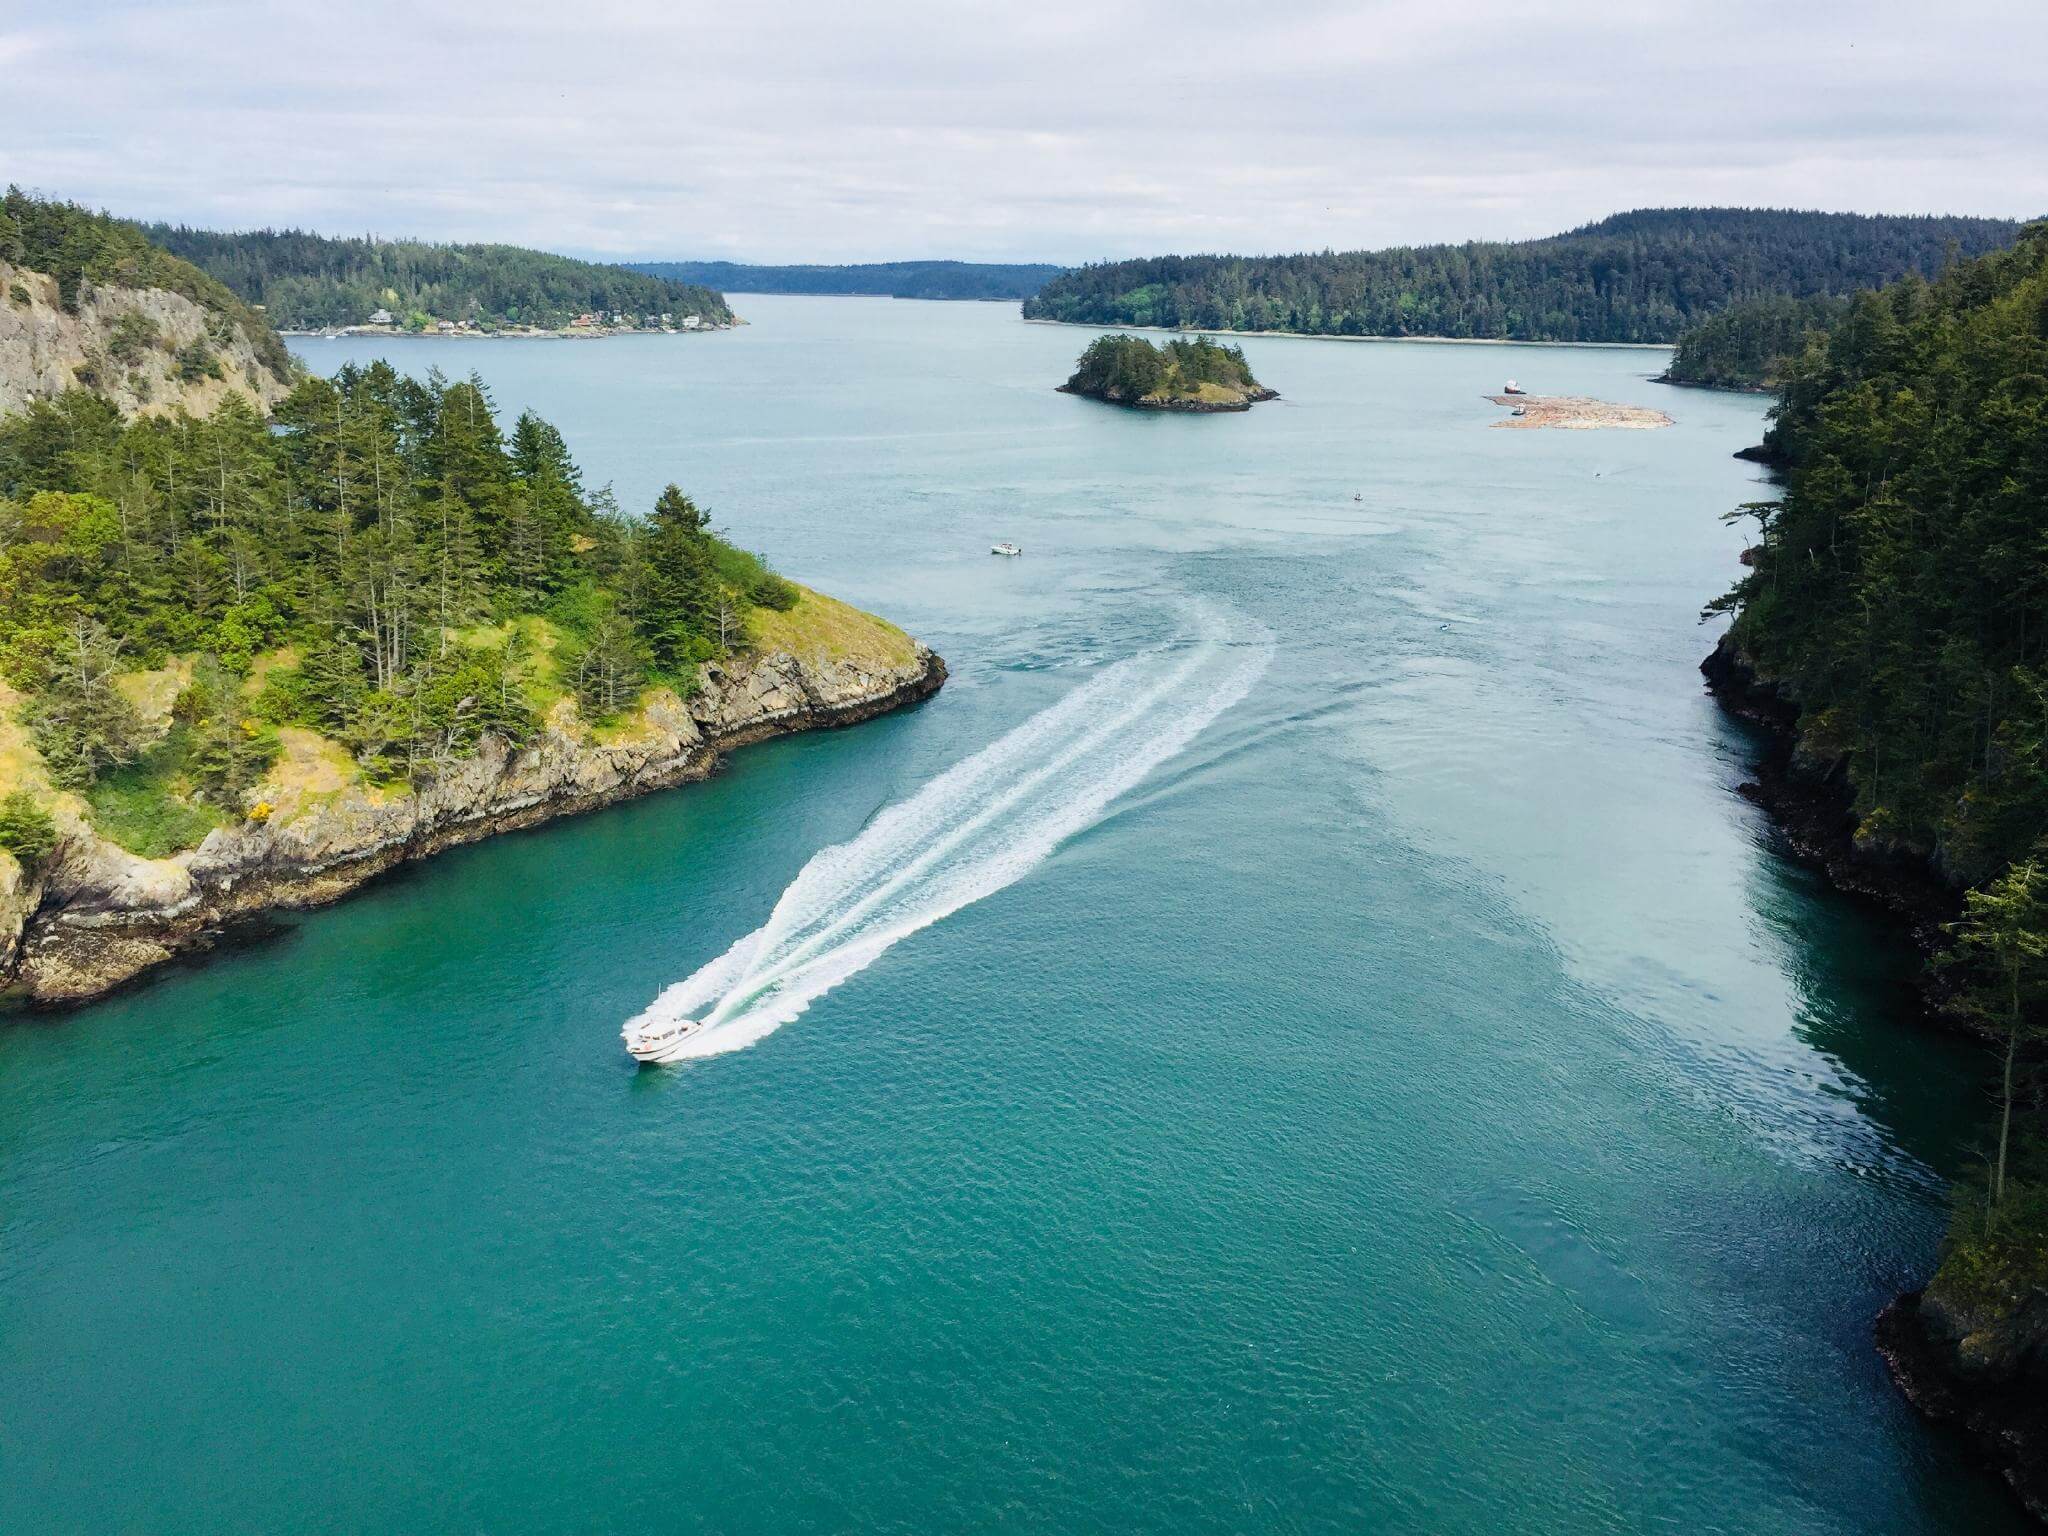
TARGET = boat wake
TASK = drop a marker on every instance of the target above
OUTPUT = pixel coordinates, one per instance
(977, 827)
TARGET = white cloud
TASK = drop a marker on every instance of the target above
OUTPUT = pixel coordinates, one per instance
(1065, 130)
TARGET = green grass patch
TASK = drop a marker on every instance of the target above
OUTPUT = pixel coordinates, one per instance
(817, 625)
(146, 807)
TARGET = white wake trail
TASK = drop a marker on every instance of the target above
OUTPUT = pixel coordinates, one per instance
(977, 827)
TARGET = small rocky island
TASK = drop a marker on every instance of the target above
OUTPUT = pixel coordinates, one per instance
(1186, 374)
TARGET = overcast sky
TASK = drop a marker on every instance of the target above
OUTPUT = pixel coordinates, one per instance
(1054, 130)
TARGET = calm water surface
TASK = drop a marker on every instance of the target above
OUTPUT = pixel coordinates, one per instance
(1425, 1104)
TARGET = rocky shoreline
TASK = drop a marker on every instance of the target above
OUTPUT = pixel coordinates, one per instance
(1441, 341)
(1250, 398)
(1960, 1369)
(1980, 1368)
(94, 916)
(1726, 389)
(1811, 804)
(515, 332)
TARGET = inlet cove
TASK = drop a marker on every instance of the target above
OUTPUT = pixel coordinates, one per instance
(1303, 1030)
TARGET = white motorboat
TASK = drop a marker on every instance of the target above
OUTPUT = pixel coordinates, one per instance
(1006, 548)
(653, 1042)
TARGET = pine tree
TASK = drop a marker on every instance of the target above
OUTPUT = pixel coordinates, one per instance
(677, 610)
(2005, 926)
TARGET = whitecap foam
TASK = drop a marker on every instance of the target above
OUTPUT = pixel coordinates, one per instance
(979, 826)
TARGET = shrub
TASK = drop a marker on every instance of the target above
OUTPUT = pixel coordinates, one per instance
(144, 805)
(196, 361)
(1996, 1257)
(751, 578)
(773, 591)
(26, 830)
(133, 335)
(226, 750)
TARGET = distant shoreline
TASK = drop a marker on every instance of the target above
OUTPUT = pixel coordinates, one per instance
(579, 333)
(1440, 341)
(910, 298)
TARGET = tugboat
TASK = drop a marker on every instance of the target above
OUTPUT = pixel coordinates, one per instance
(1514, 389)
(653, 1042)
(1006, 548)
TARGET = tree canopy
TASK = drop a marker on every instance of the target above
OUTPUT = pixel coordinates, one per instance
(893, 279)
(1130, 369)
(382, 563)
(1898, 589)
(1635, 277)
(305, 281)
(1898, 593)
(1750, 344)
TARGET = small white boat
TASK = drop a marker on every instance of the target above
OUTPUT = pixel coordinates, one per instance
(654, 1042)
(1514, 389)
(1005, 548)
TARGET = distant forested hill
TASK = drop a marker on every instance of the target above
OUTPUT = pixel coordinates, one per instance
(1637, 277)
(305, 280)
(894, 279)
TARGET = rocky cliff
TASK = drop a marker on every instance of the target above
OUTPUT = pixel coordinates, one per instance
(144, 349)
(1978, 1361)
(95, 915)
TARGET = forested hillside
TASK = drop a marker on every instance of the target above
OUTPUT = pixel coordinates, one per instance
(305, 281)
(1898, 594)
(893, 279)
(381, 565)
(1636, 277)
(1751, 343)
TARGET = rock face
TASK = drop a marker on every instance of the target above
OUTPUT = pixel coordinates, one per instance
(133, 362)
(97, 915)
(1220, 399)
(1982, 1368)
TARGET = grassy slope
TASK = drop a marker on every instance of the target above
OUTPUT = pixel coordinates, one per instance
(823, 626)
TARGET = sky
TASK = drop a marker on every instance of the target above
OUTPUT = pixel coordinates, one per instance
(1054, 130)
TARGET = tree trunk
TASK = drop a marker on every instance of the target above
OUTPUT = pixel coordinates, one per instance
(2012, 1051)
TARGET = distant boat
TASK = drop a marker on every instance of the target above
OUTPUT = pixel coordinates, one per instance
(1514, 389)
(1005, 548)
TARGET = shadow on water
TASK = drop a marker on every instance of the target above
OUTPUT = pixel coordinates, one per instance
(1853, 968)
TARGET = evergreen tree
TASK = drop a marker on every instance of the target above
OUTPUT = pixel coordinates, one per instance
(368, 546)
(678, 599)
(2005, 927)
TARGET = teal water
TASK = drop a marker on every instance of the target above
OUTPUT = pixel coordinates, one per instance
(1425, 1103)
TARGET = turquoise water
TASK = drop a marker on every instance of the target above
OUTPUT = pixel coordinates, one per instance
(1424, 1103)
